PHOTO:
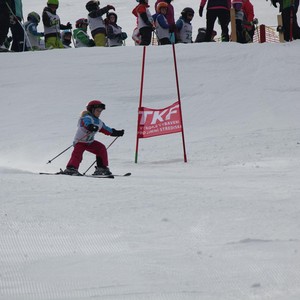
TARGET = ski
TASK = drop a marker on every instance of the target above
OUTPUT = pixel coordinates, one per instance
(85, 175)
(81, 175)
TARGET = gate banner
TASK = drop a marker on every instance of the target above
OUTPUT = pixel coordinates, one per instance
(155, 122)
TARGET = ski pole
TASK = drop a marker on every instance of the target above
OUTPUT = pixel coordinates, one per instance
(49, 161)
(23, 27)
(96, 159)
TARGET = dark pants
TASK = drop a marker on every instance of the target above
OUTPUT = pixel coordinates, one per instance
(224, 17)
(165, 41)
(19, 43)
(146, 34)
(288, 16)
(4, 22)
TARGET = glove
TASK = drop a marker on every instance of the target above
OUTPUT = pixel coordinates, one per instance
(69, 25)
(123, 36)
(255, 21)
(201, 11)
(92, 128)
(110, 7)
(117, 132)
(274, 2)
(91, 43)
(172, 28)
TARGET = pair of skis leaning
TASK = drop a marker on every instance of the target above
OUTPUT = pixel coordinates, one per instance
(111, 176)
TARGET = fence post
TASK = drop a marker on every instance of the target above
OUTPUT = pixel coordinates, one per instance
(262, 33)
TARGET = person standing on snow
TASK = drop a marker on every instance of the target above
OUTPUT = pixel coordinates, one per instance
(88, 125)
(16, 27)
(80, 34)
(33, 35)
(184, 26)
(144, 21)
(96, 22)
(161, 24)
(170, 18)
(216, 9)
(288, 10)
(115, 35)
(52, 25)
(4, 21)
(249, 20)
(66, 38)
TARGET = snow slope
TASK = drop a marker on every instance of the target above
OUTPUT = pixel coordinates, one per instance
(225, 225)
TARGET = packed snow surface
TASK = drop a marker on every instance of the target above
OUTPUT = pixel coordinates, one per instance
(225, 225)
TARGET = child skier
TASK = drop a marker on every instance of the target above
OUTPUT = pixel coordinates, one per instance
(96, 22)
(184, 26)
(81, 37)
(115, 36)
(66, 38)
(239, 17)
(88, 125)
(33, 35)
(161, 24)
(52, 25)
(144, 21)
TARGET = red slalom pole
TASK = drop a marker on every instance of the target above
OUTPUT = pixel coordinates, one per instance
(140, 103)
(179, 101)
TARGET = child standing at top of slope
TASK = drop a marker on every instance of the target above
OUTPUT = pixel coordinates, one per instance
(88, 125)
(144, 21)
(96, 22)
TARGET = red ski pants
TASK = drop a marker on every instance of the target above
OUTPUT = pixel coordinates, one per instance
(95, 147)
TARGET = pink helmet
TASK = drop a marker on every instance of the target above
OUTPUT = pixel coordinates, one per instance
(94, 104)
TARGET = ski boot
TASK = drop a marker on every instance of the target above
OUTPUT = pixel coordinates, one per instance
(71, 171)
(102, 171)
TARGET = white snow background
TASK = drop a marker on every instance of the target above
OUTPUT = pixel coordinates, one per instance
(225, 225)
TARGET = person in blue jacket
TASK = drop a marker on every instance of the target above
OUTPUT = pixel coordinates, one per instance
(33, 40)
(88, 125)
(161, 24)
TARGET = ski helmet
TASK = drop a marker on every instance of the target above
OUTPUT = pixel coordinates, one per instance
(53, 2)
(80, 22)
(187, 11)
(94, 104)
(65, 33)
(34, 17)
(161, 5)
(92, 5)
(237, 4)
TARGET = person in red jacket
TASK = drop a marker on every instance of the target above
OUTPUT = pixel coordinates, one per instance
(248, 10)
(144, 21)
(216, 9)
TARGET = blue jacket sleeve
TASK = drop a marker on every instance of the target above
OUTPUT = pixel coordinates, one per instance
(106, 130)
(179, 24)
(162, 22)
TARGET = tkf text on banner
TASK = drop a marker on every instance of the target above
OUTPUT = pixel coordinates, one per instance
(154, 122)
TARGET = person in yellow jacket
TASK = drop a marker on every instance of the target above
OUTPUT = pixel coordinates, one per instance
(52, 25)
(96, 22)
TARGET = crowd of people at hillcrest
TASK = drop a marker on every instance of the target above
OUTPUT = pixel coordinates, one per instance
(105, 31)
